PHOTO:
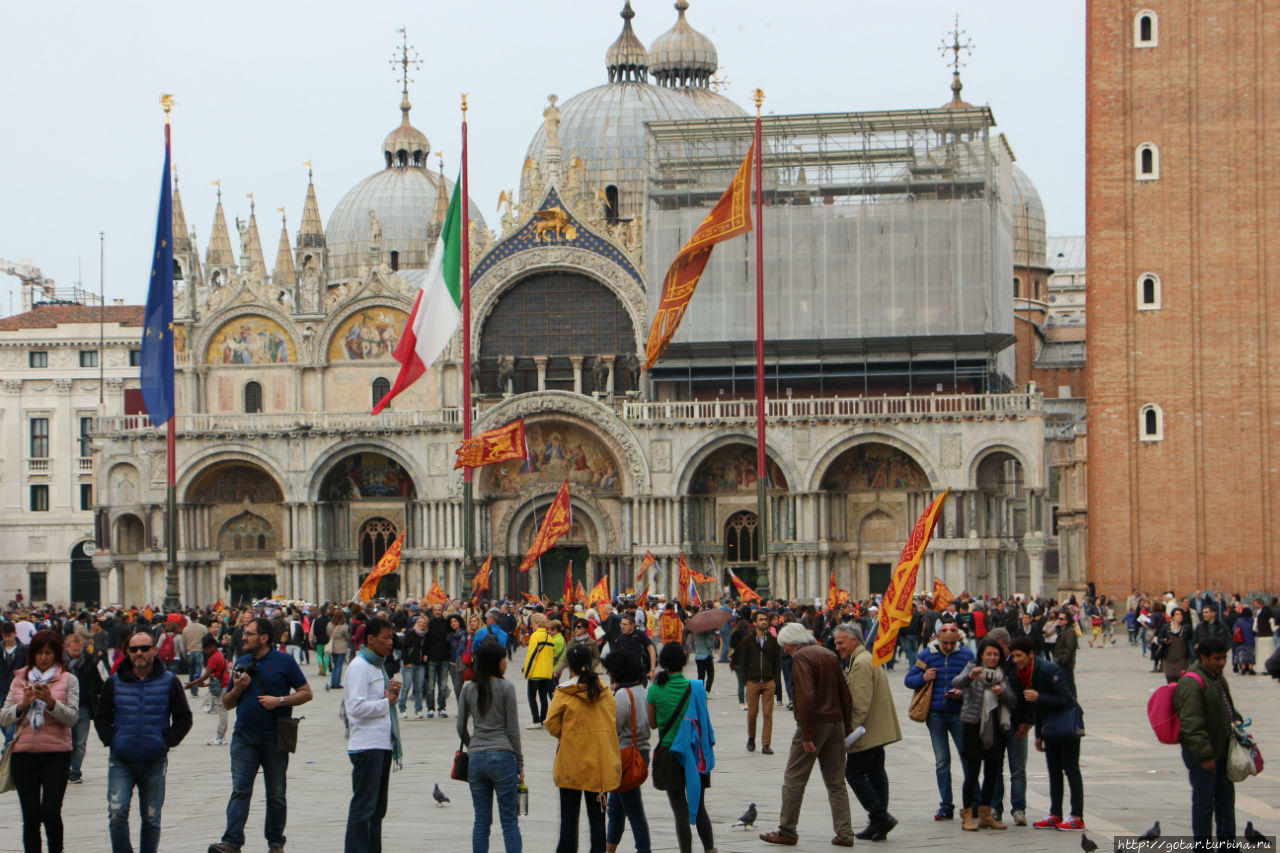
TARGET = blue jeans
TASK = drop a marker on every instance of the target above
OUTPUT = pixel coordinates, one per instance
(414, 677)
(246, 757)
(79, 741)
(628, 807)
(370, 779)
(1213, 795)
(488, 773)
(910, 646)
(941, 724)
(122, 777)
(725, 633)
(335, 675)
(437, 684)
(195, 666)
(1016, 753)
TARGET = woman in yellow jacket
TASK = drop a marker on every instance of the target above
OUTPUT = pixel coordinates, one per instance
(539, 662)
(583, 715)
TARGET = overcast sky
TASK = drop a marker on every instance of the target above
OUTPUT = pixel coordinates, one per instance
(263, 86)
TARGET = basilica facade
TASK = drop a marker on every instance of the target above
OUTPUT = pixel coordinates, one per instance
(889, 243)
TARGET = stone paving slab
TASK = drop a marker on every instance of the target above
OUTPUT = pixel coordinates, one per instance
(1129, 779)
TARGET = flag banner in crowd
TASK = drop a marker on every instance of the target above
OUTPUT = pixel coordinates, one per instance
(683, 582)
(480, 583)
(730, 218)
(389, 563)
(648, 562)
(642, 600)
(895, 609)
(699, 577)
(941, 595)
(581, 594)
(568, 583)
(530, 597)
(218, 606)
(157, 335)
(695, 600)
(435, 595)
(745, 592)
(494, 445)
(833, 593)
(556, 523)
(599, 593)
(438, 309)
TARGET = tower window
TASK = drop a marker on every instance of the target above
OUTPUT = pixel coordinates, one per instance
(252, 397)
(611, 203)
(1151, 423)
(381, 387)
(1148, 291)
(395, 261)
(1017, 287)
(1147, 163)
(1146, 29)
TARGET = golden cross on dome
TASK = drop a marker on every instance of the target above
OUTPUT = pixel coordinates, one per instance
(404, 60)
(956, 46)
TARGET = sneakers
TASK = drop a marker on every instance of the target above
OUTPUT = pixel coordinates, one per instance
(742, 706)
(75, 780)
(1050, 822)
(444, 715)
(417, 715)
(1019, 817)
(216, 742)
(430, 714)
(751, 744)
(945, 813)
(1071, 824)
(534, 726)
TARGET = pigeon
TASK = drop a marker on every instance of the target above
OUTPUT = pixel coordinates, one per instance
(1087, 844)
(1151, 834)
(439, 796)
(748, 817)
(1254, 837)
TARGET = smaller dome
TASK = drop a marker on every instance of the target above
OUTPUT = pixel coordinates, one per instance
(626, 58)
(406, 145)
(1028, 222)
(682, 56)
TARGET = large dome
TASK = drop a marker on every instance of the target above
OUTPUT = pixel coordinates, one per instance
(408, 199)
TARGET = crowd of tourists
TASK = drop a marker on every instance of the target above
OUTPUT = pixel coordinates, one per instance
(987, 676)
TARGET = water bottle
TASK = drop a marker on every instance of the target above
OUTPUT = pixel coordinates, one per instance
(522, 798)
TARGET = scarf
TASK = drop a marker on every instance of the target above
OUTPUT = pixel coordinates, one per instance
(993, 713)
(397, 749)
(39, 676)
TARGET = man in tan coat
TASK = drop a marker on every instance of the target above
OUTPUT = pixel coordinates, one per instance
(873, 710)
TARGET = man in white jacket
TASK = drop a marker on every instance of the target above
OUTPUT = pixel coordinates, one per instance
(370, 696)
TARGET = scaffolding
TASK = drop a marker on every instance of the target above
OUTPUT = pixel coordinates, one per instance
(883, 230)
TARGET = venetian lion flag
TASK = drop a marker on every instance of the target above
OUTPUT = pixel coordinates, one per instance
(438, 309)
(745, 592)
(599, 593)
(493, 445)
(833, 593)
(729, 218)
(480, 583)
(389, 563)
(647, 563)
(581, 594)
(568, 584)
(435, 595)
(556, 523)
(941, 595)
(895, 610)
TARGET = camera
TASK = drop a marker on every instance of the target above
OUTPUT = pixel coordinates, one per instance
(250, 669)
(990, 675)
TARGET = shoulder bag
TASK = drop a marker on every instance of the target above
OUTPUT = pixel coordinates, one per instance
(921, 699)
(461, 764)
(668, 772)
(7, 782)
(286, 727)
(634, 768)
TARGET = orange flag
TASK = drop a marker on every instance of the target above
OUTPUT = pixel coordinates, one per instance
(435, 595)
(729, 218)
(648, 562)
(149, 613)
(642, 600)
(682, 582)
(941, 595)
(568, 583)
(833, 593)
(745, 592)
(493, 445)
(895, 610)
(528, 596)
(581, 594)
(599, 593)
(218, 606)
(480, 583)
(556, 523)
(699, 577)
(389, 563)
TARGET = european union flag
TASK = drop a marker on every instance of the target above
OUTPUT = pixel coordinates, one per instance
(157, 338)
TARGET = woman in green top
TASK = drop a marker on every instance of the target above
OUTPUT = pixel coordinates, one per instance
(665, 697)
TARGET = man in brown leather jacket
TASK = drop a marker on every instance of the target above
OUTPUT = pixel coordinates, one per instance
(823, 709)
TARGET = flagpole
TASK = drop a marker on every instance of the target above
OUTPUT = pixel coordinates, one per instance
(762, 470)
(468, 512)
(172, 600)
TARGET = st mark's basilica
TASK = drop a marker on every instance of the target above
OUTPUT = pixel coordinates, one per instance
(889, 243)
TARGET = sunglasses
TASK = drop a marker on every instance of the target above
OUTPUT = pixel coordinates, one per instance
(140, 648)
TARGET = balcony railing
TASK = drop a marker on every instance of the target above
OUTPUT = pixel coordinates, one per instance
(38, 465)
(84, 464)
(675, 414)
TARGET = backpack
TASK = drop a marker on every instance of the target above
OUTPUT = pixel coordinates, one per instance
(165, 652)
(1238, 635)
(1161, 714)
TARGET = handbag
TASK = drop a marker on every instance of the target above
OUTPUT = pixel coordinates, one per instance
(921, 699)
(7, 782)
(668, 771)
(1064, 724)
(1243, 759)
(286, 727)
(461, 763)
(634, 768)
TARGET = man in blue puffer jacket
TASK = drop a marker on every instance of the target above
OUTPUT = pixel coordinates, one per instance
(939, 662)
(142, 714)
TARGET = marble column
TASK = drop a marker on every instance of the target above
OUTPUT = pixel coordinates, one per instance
(576, 361)
(1034, 545)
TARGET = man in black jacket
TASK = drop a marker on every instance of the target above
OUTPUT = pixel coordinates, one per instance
(1210, 626)
(13, 657)
(760, 658)
(437, 661)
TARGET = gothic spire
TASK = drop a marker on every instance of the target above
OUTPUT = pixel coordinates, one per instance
(219, 252)
(311, 234)
(283, 276)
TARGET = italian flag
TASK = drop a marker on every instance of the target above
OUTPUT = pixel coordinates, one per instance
(438, 308)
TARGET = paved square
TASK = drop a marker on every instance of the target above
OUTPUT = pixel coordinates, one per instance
(1129, 778)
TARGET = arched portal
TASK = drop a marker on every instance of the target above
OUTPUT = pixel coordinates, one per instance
(560, 316)
(723, 486)
(84, 578)
(129, 536)
(375, 537)
(571, 553)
